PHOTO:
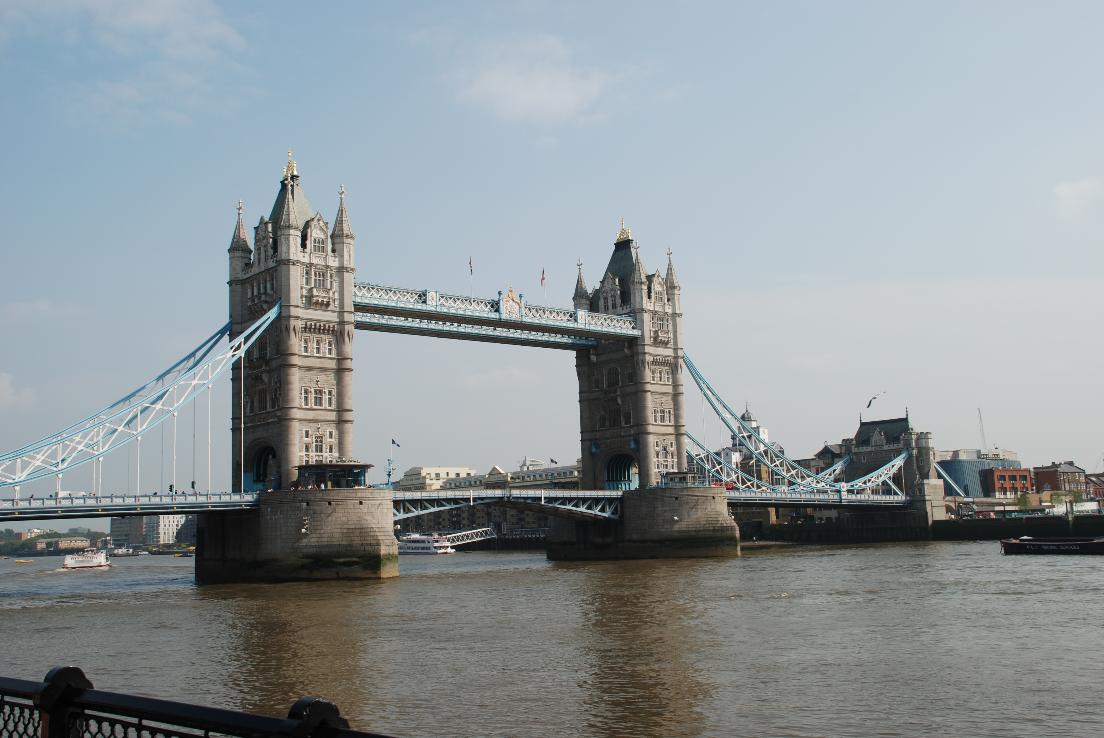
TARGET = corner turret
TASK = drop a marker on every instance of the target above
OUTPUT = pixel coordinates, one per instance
(581, 298)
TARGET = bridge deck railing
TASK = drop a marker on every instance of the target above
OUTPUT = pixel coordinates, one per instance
(430, 302)
(65, 704)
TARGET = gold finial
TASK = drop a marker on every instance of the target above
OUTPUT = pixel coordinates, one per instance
(290, 169)
(668, 253)
(625, 234)
(341, 191)
(579, 264)
(241, 208)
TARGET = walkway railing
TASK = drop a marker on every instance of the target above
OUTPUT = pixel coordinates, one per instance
(81, 505)
(589, 504)
(65, 705)
(507, 318)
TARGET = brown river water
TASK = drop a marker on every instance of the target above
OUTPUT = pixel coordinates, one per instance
(890, 640)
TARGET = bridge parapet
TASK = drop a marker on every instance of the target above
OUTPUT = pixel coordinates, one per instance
(508, 310)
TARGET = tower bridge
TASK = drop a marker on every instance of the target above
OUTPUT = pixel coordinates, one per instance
(295, 307)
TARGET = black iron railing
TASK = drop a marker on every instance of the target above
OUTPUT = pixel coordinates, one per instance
(65, 705)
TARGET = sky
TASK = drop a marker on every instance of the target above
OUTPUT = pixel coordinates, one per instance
(860, 197)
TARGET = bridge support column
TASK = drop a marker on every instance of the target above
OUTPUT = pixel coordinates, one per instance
(300, 534)
(656, 523)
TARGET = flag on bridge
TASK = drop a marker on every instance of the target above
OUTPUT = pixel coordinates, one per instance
(471, 271)
(542, 276)
(395, 443)
(553, 461)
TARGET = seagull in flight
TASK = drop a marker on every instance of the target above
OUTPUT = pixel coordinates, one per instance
(872, 399)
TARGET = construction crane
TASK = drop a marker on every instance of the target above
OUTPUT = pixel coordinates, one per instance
(981, 426)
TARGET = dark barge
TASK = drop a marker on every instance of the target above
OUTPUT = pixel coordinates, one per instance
(1071, 546)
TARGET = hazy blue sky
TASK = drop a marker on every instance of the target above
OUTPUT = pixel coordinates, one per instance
(860, 196)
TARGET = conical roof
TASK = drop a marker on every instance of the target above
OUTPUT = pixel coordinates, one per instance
(292, 208)
(581, 291)
(240, 240)
(672, 278)
(342, 228)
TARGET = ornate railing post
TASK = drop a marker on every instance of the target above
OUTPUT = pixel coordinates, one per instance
(54, 701)
(317, 718)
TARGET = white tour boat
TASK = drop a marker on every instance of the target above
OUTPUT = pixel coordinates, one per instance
(91, 559)
(415, 543)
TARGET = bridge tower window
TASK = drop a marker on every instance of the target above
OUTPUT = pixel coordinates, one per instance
(306, 396)
(318, 397)
(306, 344)
(613, 377)
(319, 245)
(329, 347)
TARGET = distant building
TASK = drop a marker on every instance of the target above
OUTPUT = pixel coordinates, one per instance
(1094, 486)
(1062, 476)
(967, 467)
(1007, 482)
(877, 443)
(531, 473)
(161, 530)
(130, 531)
(32, 533)
(419, 478)
(186, 535)
(67, 543)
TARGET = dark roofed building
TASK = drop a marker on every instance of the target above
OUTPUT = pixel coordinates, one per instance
(1060, 475)
(873, 433)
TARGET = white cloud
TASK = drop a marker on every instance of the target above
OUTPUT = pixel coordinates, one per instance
(1078, 198)
(532, 79)
(170, 49)
(12, 396)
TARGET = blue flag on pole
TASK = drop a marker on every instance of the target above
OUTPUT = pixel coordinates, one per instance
(395, 443)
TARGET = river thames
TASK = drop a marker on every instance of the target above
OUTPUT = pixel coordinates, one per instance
(893, 640)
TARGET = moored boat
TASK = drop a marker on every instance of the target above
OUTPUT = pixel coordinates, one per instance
(90, 559)
(1069, 546)
(415, 543)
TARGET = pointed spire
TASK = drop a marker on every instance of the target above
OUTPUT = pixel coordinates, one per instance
(341, 229)
(640, 274)
(240, 241)
(581, 292)
(672, 278)
(285, 214)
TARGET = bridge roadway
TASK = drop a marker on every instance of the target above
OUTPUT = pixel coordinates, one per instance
(506, 319)
(581, 504)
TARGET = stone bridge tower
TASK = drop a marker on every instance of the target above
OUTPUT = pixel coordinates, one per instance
(631, 418)
(297, 401)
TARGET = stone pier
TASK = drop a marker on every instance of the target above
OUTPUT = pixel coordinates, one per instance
(661, 522)
(299, 535)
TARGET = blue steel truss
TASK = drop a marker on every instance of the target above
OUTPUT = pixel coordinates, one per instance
(80, 505)
(132, 417)
(505, 319)
(185, 364)
(583, 504)
(801, 485)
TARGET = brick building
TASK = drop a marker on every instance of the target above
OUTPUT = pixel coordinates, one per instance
(996, 482)
(1062, 476)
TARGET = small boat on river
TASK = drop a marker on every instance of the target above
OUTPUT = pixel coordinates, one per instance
(413, 543)
(90, 559)
(1068, 546)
